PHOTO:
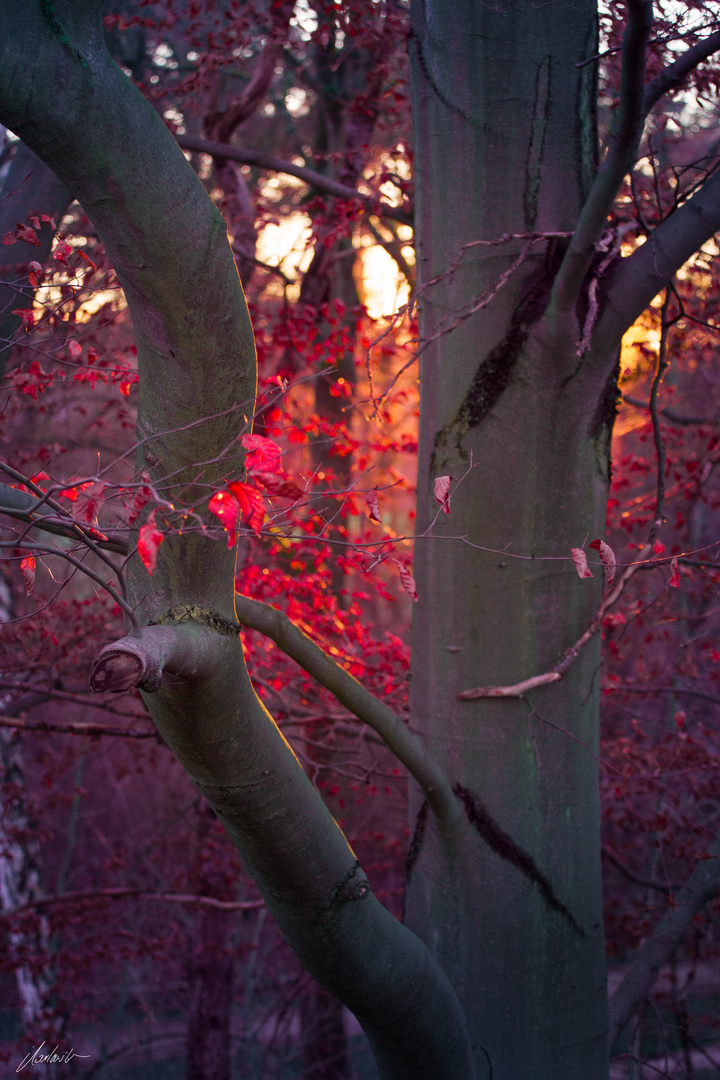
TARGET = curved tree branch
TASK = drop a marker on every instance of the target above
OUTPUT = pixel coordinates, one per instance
(700, 887)
(678, 71)
(353, 695)
(210, 716)
(63, 95)
(635, 280)
(620, 157)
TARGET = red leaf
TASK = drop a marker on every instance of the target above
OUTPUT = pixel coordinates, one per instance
(87, 258)
(264, 454)
(27, 569)
(149, 541)
(9, 238)
(277, 484)
(251, 502)
(225, 507)
(24, 232)
(27, 315)
(607, 558)
(674, 574)
(62, 251)
(406, 579)
(442, 492)
(658, 547)
(95, 534)
(141, 498)
(88, 504)
(373, 507)
(580, 559)
(74, 348)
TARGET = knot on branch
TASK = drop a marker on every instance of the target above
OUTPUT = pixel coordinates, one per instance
(354, 886)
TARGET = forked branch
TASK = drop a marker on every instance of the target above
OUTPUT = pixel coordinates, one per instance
(619, 158)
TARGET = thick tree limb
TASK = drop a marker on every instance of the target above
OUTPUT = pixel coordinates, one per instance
(619, 158)
(274, 624)
(312, 884)
(678, 71)
(310, 176)
(63, 95)
(700, 887)
(635, 280)
(121, 673)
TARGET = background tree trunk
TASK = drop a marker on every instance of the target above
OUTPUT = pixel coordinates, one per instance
(504, 142)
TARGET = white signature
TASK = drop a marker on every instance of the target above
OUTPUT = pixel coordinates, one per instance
(53, 1057)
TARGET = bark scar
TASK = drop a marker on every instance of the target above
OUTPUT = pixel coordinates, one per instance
(415, 848)
(494, 372)
(503, 845)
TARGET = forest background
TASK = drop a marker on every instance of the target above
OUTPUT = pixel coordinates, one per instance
(133, 931)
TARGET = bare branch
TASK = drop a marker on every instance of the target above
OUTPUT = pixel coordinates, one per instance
(517, 690)
(677, 72)
(619, 158)
(648, 883)
(25, 507)
(310, 176)
(635, 280)
(670, 414)
(94, 730)
(700, 887)
(349, 692)
(571, 654)
(135, 894)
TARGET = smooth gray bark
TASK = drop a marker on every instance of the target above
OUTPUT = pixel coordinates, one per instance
(504, 142)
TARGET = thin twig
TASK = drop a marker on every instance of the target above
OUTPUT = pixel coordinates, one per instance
(135, 894)
(662, 365)
(93, 730)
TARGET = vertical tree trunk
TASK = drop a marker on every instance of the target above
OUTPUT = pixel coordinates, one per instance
(505, 142)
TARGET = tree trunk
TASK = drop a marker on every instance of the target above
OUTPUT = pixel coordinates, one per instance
(197, 365)
(504, 142)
